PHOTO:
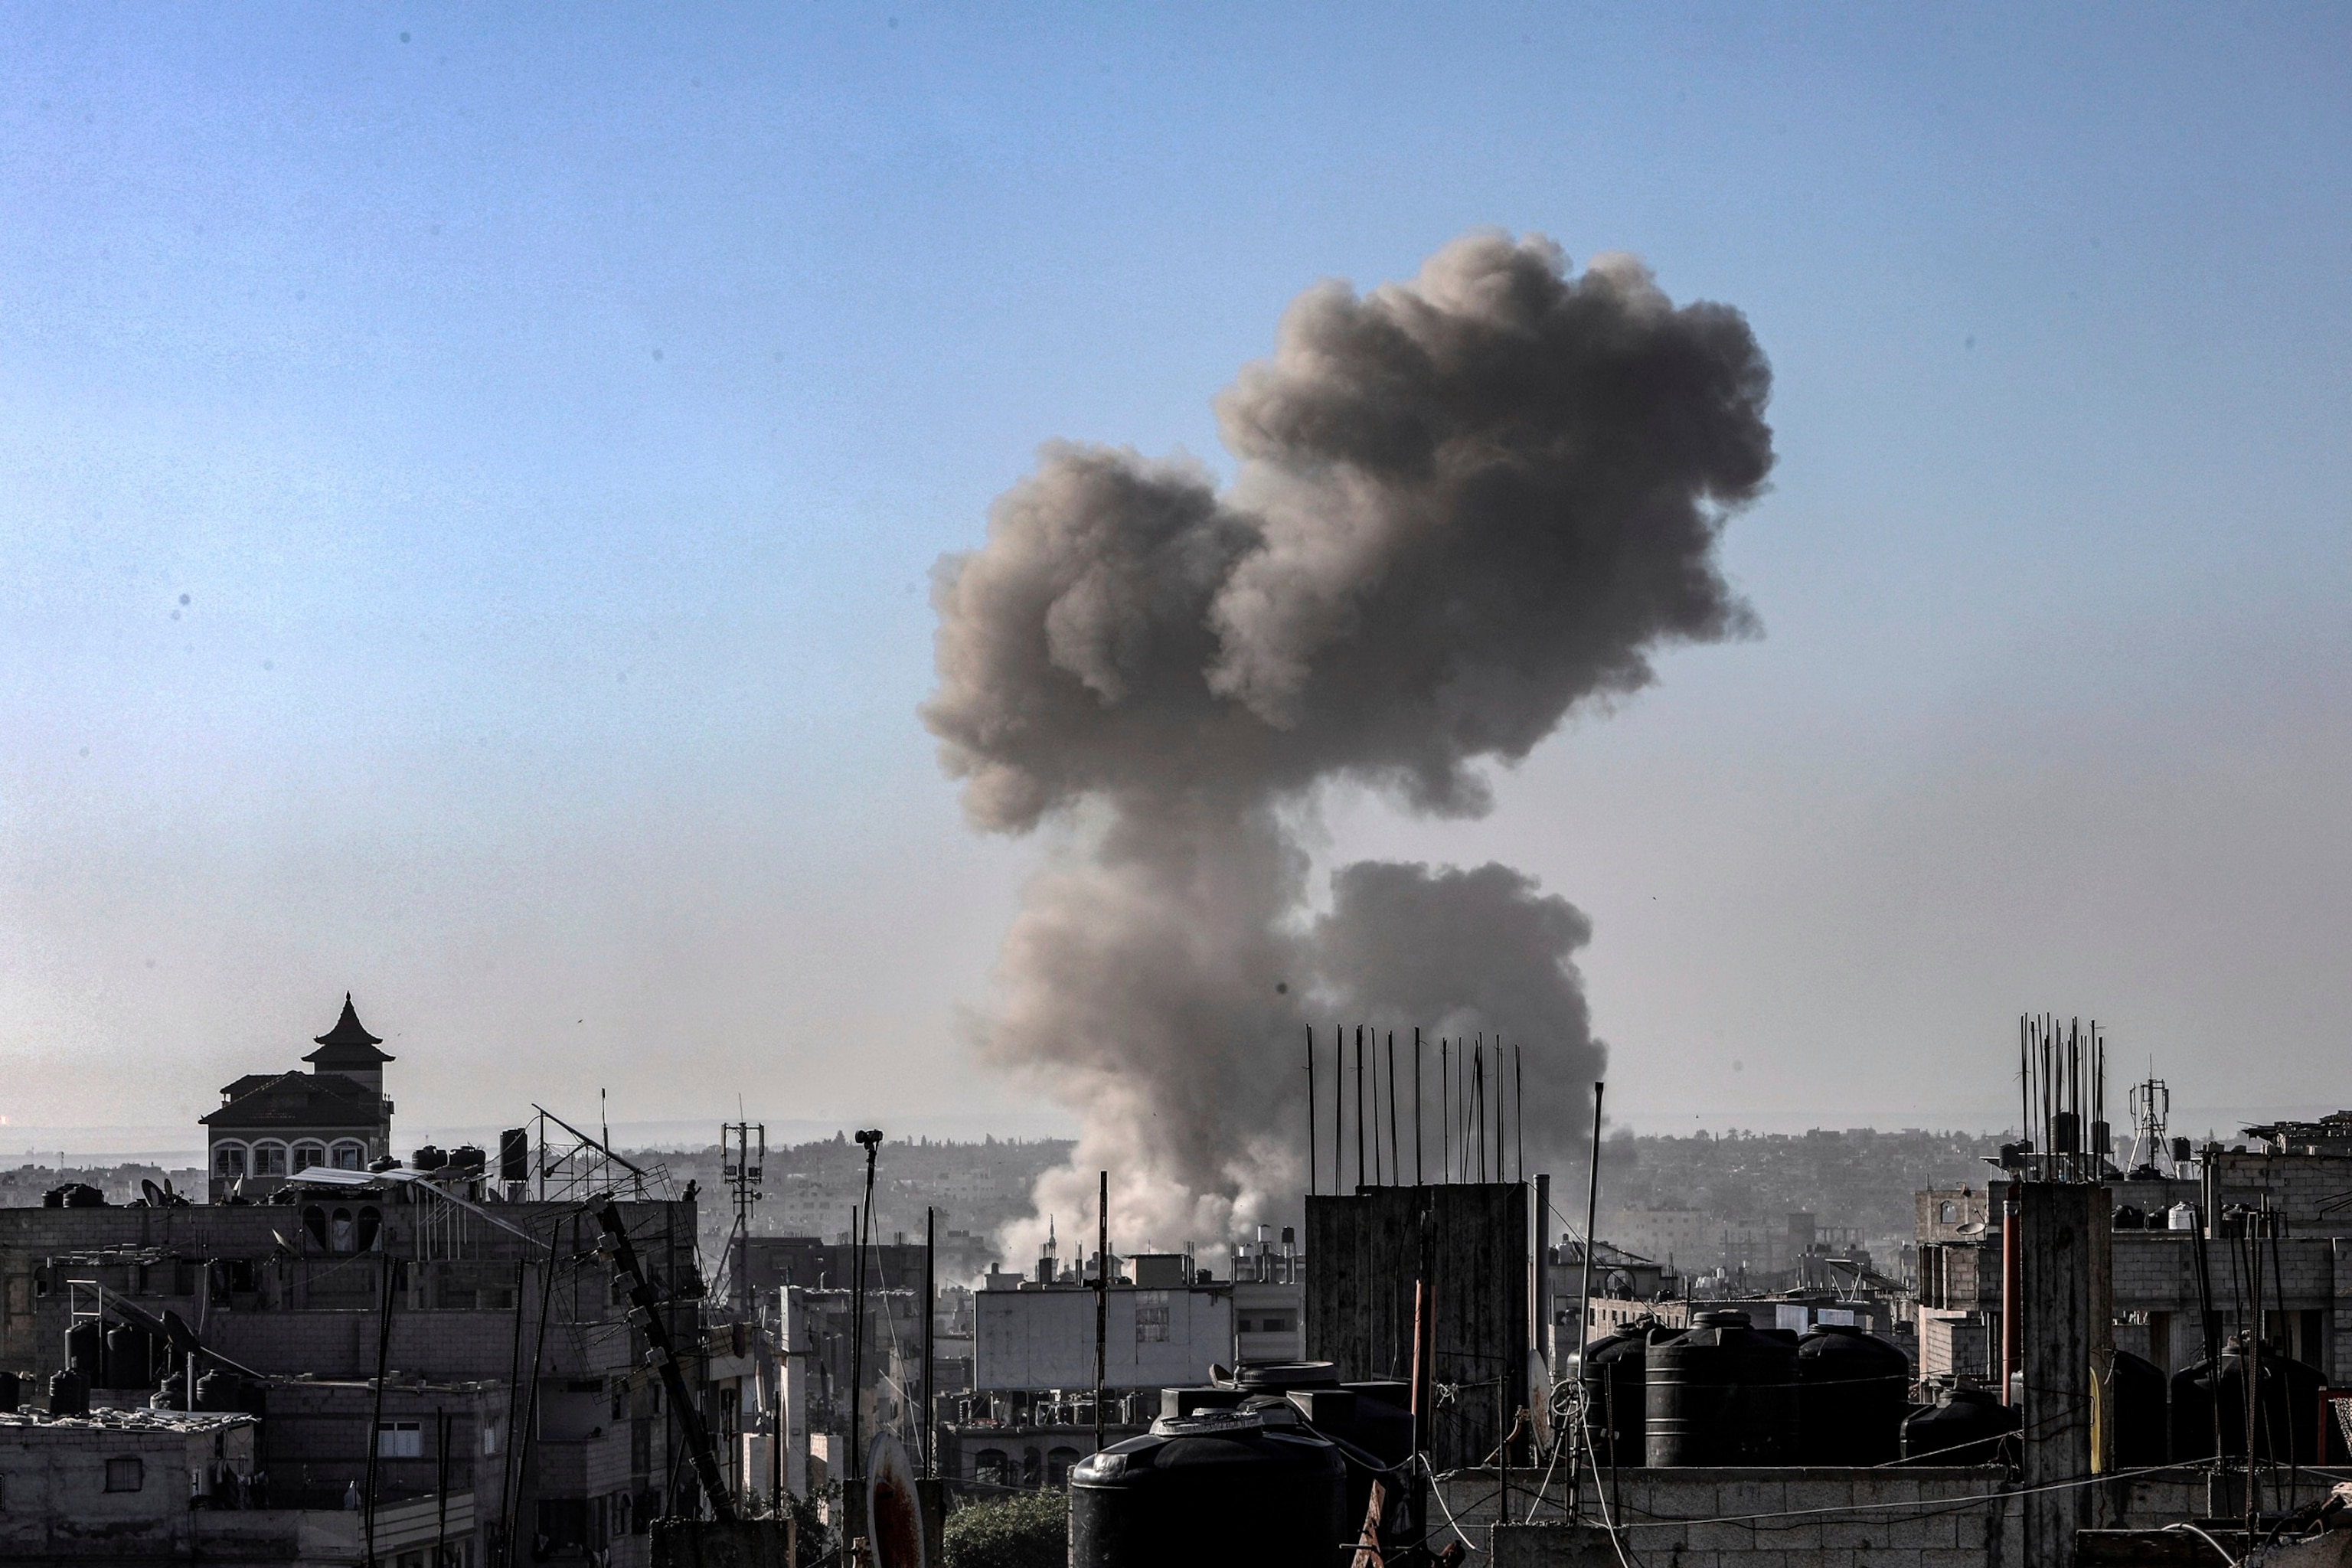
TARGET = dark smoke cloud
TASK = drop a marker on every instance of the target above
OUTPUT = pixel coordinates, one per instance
(1463, 506)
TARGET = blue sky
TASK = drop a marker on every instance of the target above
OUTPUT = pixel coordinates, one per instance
(551, 417)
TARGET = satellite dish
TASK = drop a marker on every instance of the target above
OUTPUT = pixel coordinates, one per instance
(894, 1511)
(1974, 1227)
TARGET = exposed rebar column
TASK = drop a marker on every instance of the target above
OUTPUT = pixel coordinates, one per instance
(2065, 1242)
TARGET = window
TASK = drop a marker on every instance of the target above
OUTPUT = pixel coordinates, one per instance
(270, 1159)
(1947, 1212)
(1151, 1317)
(400, 1440)
(349, 1156)
(489, 1437)
(228, 1160)
(1057, 1467)
(340, 1234)
(309, 1154)
(989, 1468)
(125, 1474)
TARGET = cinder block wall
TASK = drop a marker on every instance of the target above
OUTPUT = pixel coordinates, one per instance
(1704, 1518)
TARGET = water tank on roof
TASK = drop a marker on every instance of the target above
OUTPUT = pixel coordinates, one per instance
(1964, 1427)
(2141, 1397)
(2128, 1217)
(1269, 1495)
(1613, 1375)
(1852, 1393)
(467, 1158)
(426, 1157)
(129, 1357)
(2180, 1217)
(2288, 1406)
(86, 1349)
(68, 1393)
(1722, 1393)
(1281, 1376)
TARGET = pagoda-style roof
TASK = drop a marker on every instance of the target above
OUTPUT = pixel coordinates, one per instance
(348, 1046)
(298, 1101)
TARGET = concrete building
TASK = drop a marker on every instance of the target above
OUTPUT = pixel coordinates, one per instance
(1036, 1338)
(2157, 1297)
(271, 1126)
(1269, 1297)
(299, 1289)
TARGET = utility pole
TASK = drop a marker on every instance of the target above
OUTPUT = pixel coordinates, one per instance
(871, 1140)
(930, 1299)
(1102, 1297)
(741, 1168)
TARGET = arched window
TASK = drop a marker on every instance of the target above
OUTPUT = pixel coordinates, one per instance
(228, 1160)
(1949, 1212)
(1057, 1468)
(349, 1156)
(371, 1230)
(270, 1159)
(989, 1469)
(314, 1220)
(1032, 1467)
(309, 1154)
(339, 1232)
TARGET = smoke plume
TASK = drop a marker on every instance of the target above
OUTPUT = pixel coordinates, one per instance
(1463, 506)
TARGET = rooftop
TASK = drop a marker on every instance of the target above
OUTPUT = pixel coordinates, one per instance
(131, 1420)
(298, 1099)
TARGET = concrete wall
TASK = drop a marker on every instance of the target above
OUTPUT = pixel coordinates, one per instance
(56, 1504)
(1922, 1518)
(1046, 1339)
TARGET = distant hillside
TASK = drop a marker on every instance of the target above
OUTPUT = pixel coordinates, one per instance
(1858, 1177)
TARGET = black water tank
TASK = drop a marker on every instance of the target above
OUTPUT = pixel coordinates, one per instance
(514, 1154)
(428, 1157)
(1722, 1393)
(218, 1390)
(1383, 1419)
(129, 1357)
(86, 1350)
(1964, 1427)
(2287, 1419)
(467, 1157)
(1282, 1377)
(68, 1393)
(2128, 1217)
(1852, 1393)
(1261, 1495)
(2140, 1401)
(1615, 1377)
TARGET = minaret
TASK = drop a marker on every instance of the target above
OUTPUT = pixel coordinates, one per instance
(349, 1049)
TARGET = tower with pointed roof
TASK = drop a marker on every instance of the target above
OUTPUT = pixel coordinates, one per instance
(271, 1125)
(349, 1049)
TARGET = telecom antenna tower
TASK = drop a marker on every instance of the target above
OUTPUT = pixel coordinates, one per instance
(2151, 1104)
(743, 1154)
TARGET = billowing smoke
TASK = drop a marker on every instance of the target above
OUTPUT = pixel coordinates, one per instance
(1463, 506)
